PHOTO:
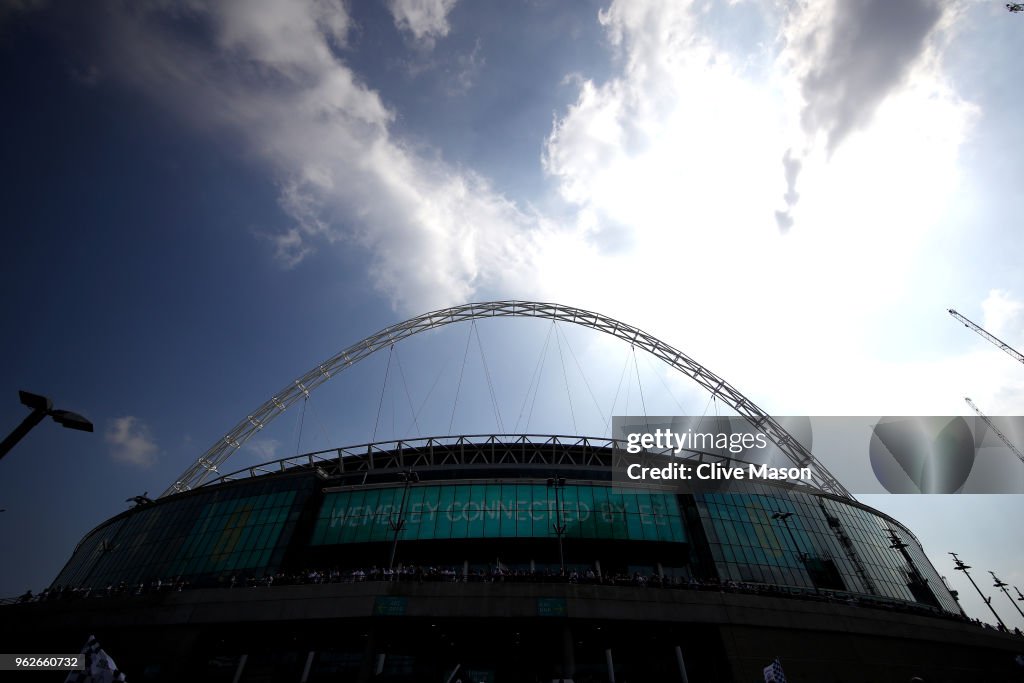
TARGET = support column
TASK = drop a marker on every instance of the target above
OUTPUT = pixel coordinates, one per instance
(241, 667)
(366, 668)
(568, 655)
(309, 665)
(682, 665)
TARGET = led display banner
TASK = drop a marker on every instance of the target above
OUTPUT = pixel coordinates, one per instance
(496, 511)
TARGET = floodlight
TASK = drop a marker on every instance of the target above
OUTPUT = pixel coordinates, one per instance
(41, 407)
(35, 401)
(65, 418)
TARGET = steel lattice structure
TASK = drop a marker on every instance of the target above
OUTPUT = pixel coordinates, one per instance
(991, 338)
(1002, 437)
(207, 465)
(488, 451)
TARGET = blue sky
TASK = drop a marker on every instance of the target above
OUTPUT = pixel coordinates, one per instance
(203, 200)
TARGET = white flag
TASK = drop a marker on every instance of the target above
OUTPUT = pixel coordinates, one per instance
(99, 666)
(773, 672)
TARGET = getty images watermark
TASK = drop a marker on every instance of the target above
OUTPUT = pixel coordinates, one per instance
(938, 454)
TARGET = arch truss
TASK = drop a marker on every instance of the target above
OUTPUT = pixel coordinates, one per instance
(206, 466)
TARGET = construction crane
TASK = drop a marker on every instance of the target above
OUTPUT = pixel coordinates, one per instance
(995, 429)
(998, 342)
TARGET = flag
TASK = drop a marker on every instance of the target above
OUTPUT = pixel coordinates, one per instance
(773, 672)
(99, 667)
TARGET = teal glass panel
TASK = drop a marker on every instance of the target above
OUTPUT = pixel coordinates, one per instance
(488, 497)
(381, 516)
(586, 525)
(660, 518)
(508, 494)
(360, 517)
(245, 539)
(618, 516)
(524, 511)
(413, 513)
(445, 508)
(675, 522)
(540, 525)
(728, 552)
(634, 525)
(607, 506)
(432, 509)
(460, 511)
(570, 510)
(504, 506)
(645, 517)
(492, 521)
(332, 523)
(355, 514)
(473, 511)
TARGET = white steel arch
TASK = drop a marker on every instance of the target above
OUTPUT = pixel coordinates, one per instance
(220, 451)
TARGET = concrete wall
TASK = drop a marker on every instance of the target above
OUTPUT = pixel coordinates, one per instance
(817, 641)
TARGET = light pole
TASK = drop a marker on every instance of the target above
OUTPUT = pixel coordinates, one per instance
(41, 407)
(961, 567)
(1002, 586)
(558, 483)
(409, 477)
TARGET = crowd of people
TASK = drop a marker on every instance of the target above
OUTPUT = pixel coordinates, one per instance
(492, 574)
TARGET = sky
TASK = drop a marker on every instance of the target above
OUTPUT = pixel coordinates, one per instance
(203, 200)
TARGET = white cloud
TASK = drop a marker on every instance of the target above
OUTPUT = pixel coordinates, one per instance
(265, 449)
(1003, 316)
(843, 60)
(426, 20)
(671, 171)
(465, 71)
(848, 57)
(131, 441)
(680, 149)
(671, 139)
(435, 233)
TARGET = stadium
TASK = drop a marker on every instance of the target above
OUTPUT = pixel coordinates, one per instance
(506, 557)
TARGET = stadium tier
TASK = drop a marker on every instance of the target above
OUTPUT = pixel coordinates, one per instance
(505, 558)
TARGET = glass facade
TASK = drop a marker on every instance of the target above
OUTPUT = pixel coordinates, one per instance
(234, 534)
(213, 532)
(821, 543)
(766, 536)
(496, 510)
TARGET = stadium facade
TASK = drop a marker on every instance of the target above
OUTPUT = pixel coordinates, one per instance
(517, 558)
(504, 558)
